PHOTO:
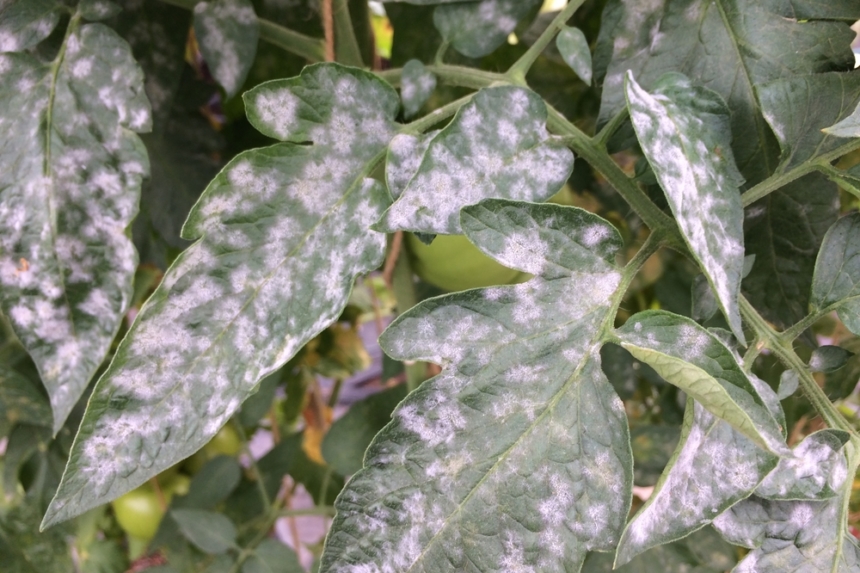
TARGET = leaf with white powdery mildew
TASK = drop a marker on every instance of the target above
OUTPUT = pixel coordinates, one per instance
(283, 231)
(684, 132)
(25, 23)
(802, 536)
(836, 282)
(816, 469)
(477, 28)
(696, 361)
(70, 173)
(481, 154)
(227, 32)
(417, 85)
(848, 127)
(517, 456)
(574, 49)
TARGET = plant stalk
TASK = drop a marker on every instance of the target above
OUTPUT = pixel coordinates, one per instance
(521, 67)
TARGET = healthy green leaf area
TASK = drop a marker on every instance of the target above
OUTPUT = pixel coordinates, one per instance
(517, 456)
(282, 232)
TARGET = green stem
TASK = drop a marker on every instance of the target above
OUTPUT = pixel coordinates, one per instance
(335, 393)
(460, 76)
(521, 67)
(651, 245)
(439, 58)
(602, 137)
(582, 145)
(786, 354)
(345, 43)
(422, 124)
(403, 286)
(258, 475)
(774, 182)
(312, 49)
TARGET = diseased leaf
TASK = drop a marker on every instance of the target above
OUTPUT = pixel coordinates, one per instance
(517, 456)
(788, 383)
(284, 231)
(799, 108)
(696, 361)
(829, 358)
(840, 384)
(209, 531)
(25, 23)
(70, 174)
(477, 28)
(97, 9)
(573, 46)
(847, 127)
(684, 132)
(713, 468)
(417, 85)
(227, 32)
(745, 43)
(405, 153)
(836, 283)
(817, 469)
(784, 231)
(480, 154)
(704, 302)
(790, 536)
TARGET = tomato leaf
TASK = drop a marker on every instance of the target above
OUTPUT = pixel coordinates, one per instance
(480, 154)
(25, 23)
(517, 455)
(573, 46)
(836, 282)
(227, 32)
(417, 85)
(209, 531)
(477, 28)
(282, 232)
(70, 177)
(684, 132)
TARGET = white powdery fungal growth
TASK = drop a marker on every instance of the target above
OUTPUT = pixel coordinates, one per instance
(477, 28)
(227, 32)
(817, 469)
(499, 455)
(66, 265)
(715, 466)
(481, 154)
(417, 86)
(25, 24)
(790, 535)
(684, 132)
(282, 232)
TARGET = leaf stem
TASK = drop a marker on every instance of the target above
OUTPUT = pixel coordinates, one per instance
(403, 287)
(312, 49)
(521, 67)
(346, 44)
(582, 145)
(651, 245)
(784, 351)
(439, 58)
(777, 181)
(602, 137)
(422, 124)
(258, 475)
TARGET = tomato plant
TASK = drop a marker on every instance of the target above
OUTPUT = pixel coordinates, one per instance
(225, 224)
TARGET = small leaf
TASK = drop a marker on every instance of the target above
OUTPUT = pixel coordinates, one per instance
(574, 49)
(25, 23)
(713, 468)
(215, 481)
(416, 87)
(848, 127)
(272, 556)
(209, 531)
(788, 383)
(68, 189)
(790, 536)
(829, 358)
(405, 153)
(836, 282)
(480, 154)
(344, 444)
(517, 455)
(477, 28)
(816, 469)
(97, 9)
(697, 362)
(282, 232)
(684, 132)
(227, 32)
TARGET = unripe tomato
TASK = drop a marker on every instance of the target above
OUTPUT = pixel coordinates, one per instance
(139, 512)
(225, 443)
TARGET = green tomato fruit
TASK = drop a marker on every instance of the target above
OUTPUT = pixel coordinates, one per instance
(225, 443)
(139, 512)
(453, 263)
